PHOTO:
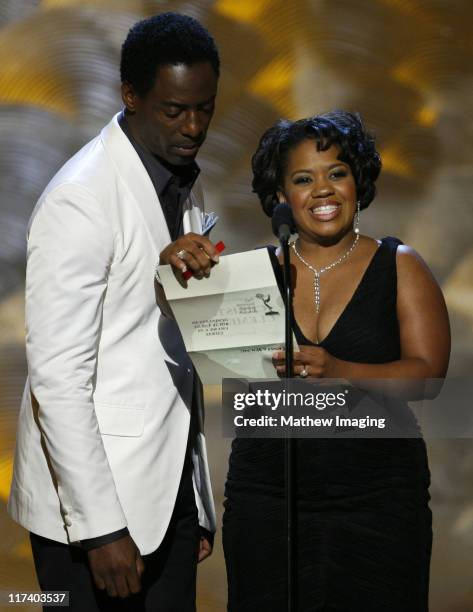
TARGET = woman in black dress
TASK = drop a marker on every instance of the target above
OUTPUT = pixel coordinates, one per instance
(363, 308)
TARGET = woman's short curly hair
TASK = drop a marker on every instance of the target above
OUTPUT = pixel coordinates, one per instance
(340, 128)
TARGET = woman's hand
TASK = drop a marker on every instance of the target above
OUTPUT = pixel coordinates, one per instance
(314, 360)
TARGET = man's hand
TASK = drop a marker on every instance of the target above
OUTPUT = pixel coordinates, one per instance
(117, 567)
(196, 253)
(205, 549)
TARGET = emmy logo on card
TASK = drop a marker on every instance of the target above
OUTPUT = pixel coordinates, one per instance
(266, 301)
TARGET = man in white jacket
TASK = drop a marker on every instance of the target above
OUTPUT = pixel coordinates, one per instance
(111, 474)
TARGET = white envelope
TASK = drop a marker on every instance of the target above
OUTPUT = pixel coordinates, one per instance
(233, 321)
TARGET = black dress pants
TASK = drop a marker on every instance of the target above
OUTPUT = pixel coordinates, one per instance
(169, 579)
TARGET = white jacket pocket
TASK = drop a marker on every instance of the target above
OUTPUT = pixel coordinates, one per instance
(120, 420)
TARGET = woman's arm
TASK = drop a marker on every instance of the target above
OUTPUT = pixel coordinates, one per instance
(423, 325)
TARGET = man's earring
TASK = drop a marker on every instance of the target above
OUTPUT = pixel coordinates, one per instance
(356, 226)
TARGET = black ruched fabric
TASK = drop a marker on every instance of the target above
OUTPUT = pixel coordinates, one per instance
(364, 527)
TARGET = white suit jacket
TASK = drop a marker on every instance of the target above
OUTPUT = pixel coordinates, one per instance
(105, 415)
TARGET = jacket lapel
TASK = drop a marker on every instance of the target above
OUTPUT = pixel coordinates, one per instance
(137, 181)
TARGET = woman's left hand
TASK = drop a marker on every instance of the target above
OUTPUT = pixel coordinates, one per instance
(313, 361)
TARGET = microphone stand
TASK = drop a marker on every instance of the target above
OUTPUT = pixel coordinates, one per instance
(289, 443)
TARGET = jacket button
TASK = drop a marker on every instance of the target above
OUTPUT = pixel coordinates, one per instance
(68, 521)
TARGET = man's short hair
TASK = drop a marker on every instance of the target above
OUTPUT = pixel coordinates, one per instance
(165, 39)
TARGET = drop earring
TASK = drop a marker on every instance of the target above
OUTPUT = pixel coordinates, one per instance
(356, 225)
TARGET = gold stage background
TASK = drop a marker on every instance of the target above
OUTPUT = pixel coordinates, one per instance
(406, 65)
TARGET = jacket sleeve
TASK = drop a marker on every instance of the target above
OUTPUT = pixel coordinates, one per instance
(70, 250)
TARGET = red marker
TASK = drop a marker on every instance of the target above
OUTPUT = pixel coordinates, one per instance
(220, 246)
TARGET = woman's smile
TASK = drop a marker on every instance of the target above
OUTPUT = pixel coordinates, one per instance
(321, 190)
(325, 211)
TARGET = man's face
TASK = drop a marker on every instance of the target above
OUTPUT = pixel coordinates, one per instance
(171, 120)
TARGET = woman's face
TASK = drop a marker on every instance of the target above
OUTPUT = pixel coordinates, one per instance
(321, 191)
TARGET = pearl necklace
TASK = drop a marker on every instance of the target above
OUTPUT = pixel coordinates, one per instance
(318, 273)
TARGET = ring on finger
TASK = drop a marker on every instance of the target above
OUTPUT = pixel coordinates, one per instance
(304, 372)
(181, 254)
